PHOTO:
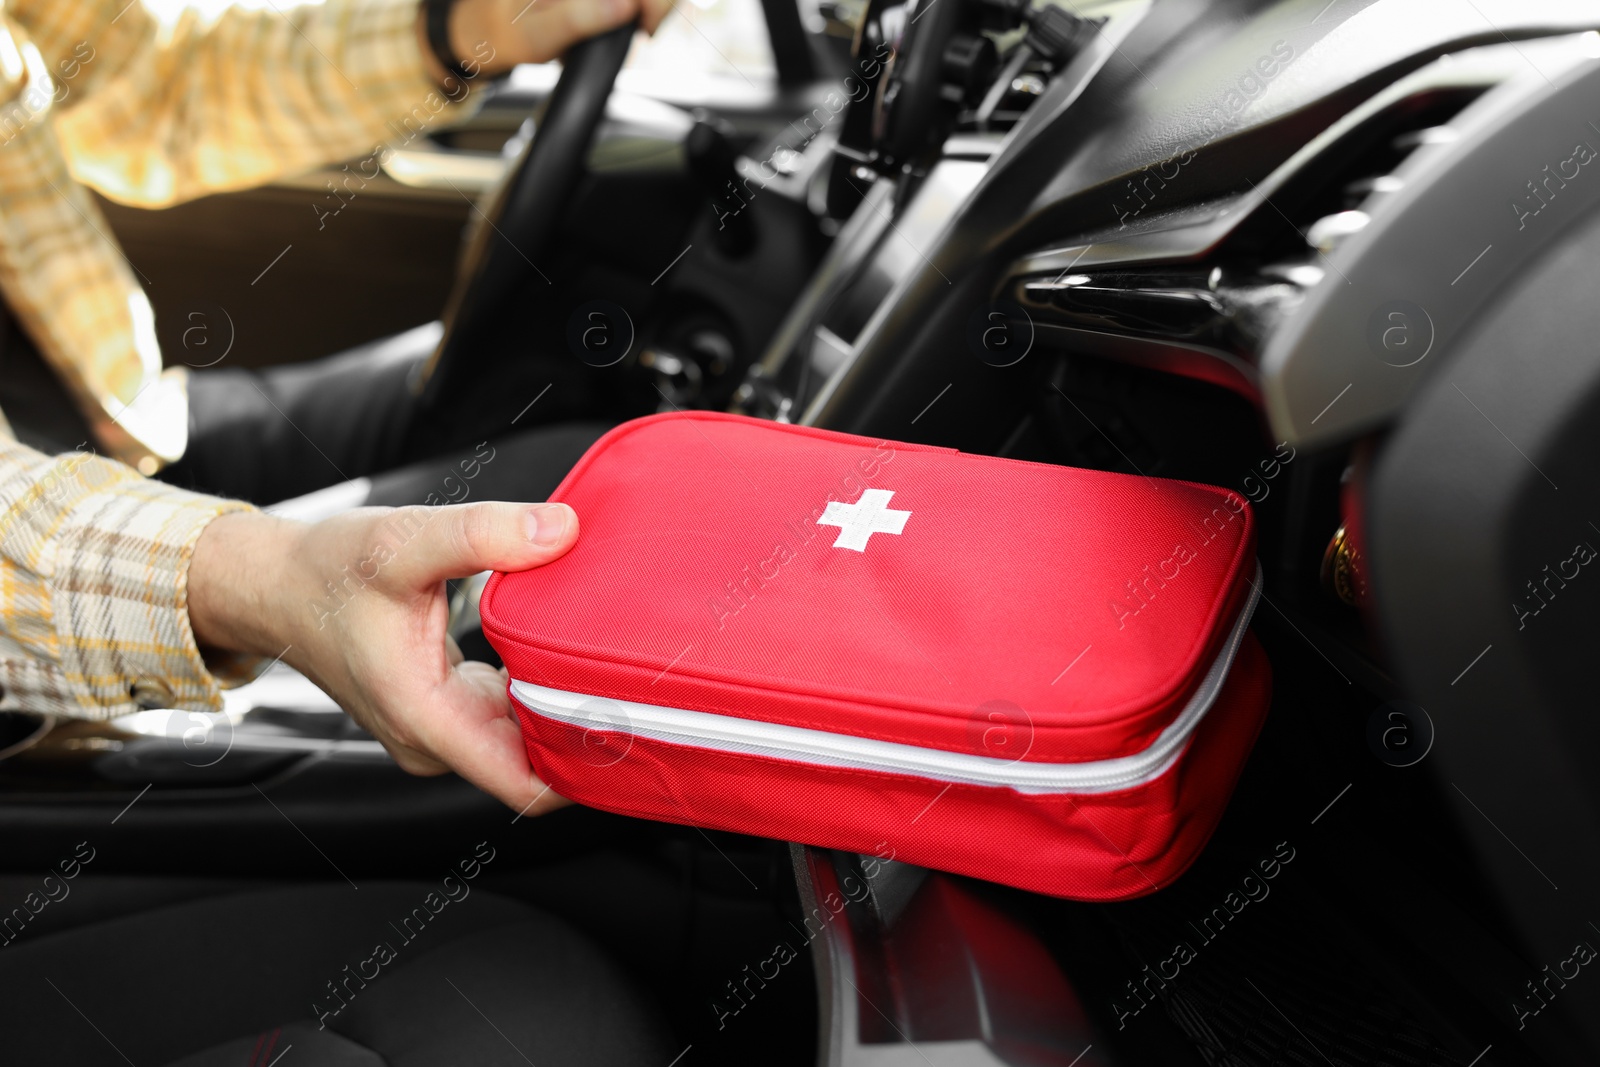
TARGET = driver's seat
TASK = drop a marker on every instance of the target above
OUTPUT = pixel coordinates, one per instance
(301, 974)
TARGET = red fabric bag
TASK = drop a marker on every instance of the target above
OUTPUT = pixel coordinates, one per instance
(1028, 673)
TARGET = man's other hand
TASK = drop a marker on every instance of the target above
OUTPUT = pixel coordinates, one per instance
(491, 36)
(359, 603)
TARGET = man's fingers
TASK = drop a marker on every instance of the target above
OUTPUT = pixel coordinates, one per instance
(651, 12)
(483, 742)
(552, 26)
(463, 539)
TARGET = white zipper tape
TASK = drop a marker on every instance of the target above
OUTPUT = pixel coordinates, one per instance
(727, 733)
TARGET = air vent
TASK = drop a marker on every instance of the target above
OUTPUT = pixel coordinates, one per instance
(1209, 318)
(1332, 198)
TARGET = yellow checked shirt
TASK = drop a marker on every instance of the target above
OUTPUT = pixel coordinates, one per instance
(94, 558)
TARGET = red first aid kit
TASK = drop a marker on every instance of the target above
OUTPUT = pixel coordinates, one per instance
(1032, 674)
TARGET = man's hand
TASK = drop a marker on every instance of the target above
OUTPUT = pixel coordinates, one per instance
(496, 35)
(357, 604)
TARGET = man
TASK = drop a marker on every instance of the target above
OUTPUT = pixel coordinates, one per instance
(121, 592)
(124, 593)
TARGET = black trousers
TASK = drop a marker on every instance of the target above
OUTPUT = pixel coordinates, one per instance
(278, 432)
(243, 978)
(268, 434)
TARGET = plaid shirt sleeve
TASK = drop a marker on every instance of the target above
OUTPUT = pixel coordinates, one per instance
(94, 563)
(167, 112)
(151, 112)
(94, 559)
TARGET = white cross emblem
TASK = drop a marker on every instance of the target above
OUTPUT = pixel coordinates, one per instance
(859, 521)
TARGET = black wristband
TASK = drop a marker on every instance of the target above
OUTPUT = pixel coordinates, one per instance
(437, 14)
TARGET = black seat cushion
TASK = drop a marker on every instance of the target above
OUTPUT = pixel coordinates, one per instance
(531, 992)
(297, 1044)
(482, 980)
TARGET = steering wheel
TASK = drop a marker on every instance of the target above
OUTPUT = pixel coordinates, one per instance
(520, 220)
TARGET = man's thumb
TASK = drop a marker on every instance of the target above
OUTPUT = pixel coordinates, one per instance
(463, 539)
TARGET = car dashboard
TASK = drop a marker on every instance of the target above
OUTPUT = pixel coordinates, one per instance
(1190, 244)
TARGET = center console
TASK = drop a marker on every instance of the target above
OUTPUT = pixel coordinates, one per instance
(937, 94)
